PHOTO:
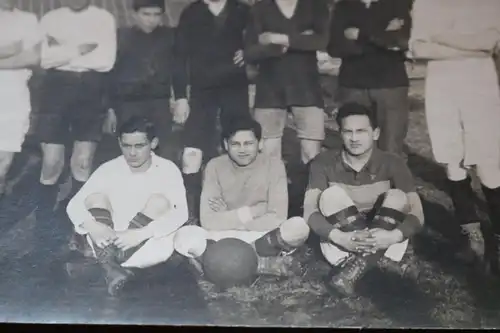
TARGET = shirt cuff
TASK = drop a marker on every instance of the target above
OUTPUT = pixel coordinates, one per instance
(410, 226)
(245, 214)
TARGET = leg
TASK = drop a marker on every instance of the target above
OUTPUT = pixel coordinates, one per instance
(6, 159)
(275, 247)
(392, 106)
(273, 123)
(310, 123)
(198, 137)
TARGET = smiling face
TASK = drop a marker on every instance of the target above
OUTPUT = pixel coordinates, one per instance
(243, 147)
(358, 135)
(137, 148)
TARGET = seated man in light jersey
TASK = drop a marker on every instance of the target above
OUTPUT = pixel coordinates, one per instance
(245, 196)
(131, 206)
(361, 201)
(458, 39)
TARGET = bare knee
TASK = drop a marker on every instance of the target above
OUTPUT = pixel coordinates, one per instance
(156, 206)
(97, 200)
(295, 231)
(192, 159)
(334, 199)
(489, 175)
(6, 159)
(309, 149)
(396, 199)
(455, 172)
(52, 163)
(272, 147)
(190, 241)
(82, 160)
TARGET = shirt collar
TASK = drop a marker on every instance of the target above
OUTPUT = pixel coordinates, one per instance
(370, 166)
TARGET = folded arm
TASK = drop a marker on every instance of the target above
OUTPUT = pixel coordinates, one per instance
(27, 58)
(339, 45)
(482, 41)
(255, 51)
(318, 39)
(276, 210)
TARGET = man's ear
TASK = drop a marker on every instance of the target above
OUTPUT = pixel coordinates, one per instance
(154, 143)
(376, 134)
(261, 145)
(226, 145)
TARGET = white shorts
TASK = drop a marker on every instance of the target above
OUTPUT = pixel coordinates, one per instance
(462, 102)
(15, 109)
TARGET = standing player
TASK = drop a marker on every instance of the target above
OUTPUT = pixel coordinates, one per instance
(245, 196)
(78, 51)
(462, 100)
(361, 201)
(371, 38)
(283, 37)
(19, 51)
(141, 78)
(209, 45)
(131, 206)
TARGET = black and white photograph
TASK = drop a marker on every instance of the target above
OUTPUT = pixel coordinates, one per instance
(250, 163)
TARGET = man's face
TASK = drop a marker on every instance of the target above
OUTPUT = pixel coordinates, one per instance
(358, 134)
(76, 5)
(148, 18)
(6, 4)
(243, 148)
(136, 148)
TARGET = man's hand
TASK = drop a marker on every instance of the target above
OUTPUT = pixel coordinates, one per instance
(351, 33)
(381, 239)
(217, 204)
(181, 111)
(101, 234)
(395, 25)
(268, 38)
(351, 241)
(238, 59)
(84, 49)
(109, 126)
(12, 49)
(129, 238)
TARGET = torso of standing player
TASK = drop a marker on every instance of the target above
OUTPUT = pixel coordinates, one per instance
(220, 29)
(288, 16)
(74, 28)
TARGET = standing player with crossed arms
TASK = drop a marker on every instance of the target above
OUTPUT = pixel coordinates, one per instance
(79, 48)
(462, 100)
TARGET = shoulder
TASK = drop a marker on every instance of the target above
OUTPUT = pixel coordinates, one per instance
(326, 158)
(102, 13)
(165, 165)
(393, 162)
(110, 167)
(54, 14)
(218, 162)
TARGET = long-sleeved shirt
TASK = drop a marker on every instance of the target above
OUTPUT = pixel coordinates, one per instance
(307, 30)
(205, 46)
(17, 26)
(129, 191)
(453, 29)
(382, 172)
(144, 64)
(369, 62)
(71, 29)
(262, 185)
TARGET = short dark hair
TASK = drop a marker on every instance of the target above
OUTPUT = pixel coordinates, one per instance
(356, 109)
(138, 4)
(138, 124)
(241, 124)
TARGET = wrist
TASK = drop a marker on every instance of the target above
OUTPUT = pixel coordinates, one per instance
(335, 236)
(145, 233)
(397, 236)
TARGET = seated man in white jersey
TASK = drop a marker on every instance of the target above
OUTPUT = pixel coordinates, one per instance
(130, 208)
(19, 51)
(459, 38)
(78, 51)
(245, 196)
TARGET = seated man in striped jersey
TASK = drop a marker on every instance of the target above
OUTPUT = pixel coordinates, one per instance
(361, 201)
(130, 208)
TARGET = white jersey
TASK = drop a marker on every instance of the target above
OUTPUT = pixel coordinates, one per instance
(128, 193)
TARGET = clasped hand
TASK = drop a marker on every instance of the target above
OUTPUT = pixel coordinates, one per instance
(369, 240)
(103, 236)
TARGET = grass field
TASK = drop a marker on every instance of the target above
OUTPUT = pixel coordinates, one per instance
(446, 293)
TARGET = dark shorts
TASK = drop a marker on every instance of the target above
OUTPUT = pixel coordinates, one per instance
(200, 130)
(71, 107)
(303, 92)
